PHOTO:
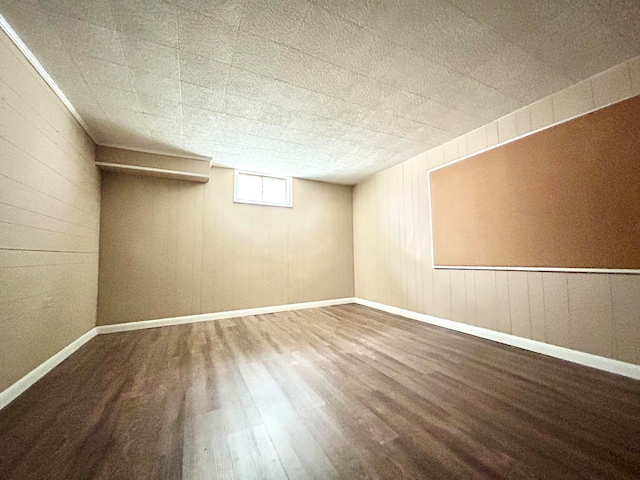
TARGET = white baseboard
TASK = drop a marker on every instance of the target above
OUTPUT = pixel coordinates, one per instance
(595, 361)
(587, 359)
(12, 392)
(205, 317)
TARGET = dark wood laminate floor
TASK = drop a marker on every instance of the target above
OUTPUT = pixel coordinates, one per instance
(337, 392)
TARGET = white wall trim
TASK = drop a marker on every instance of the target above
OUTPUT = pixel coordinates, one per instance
(205, 317)
(11, 33)
(582, 358)
(541, 269)
(12, 392)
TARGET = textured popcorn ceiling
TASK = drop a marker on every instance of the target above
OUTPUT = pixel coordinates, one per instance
(334, 90)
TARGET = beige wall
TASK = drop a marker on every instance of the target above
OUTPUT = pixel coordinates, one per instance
(595, 313)
(171, 248)
(49, 221)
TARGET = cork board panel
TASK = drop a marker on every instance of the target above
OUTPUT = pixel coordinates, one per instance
(567, 197)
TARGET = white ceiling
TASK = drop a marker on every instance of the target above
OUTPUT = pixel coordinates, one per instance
(333, 90)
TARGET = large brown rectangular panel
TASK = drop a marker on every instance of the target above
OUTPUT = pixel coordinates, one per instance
(565, 197)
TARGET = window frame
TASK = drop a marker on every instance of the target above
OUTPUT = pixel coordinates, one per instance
(288, 186)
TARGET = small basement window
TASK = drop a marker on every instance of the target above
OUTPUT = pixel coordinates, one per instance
(256, 188)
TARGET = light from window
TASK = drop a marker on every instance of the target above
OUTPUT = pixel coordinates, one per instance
(262, 189)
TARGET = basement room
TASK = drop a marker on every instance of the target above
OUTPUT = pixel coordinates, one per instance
(319, 239)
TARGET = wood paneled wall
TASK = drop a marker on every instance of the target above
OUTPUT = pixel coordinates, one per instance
(171, 248)
(595, 313)
(49, 221)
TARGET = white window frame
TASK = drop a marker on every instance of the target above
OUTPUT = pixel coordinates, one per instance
(288, 185)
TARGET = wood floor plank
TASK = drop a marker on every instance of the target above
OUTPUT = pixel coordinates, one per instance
(254, 456)
(335, 392)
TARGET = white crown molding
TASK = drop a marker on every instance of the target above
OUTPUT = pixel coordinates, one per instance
(11, 33)
(12, 392)
(587, 359)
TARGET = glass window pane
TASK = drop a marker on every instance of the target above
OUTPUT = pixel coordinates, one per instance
(249, 187)
(274, 190)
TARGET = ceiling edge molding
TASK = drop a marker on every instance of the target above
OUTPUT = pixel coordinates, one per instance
(11, 33)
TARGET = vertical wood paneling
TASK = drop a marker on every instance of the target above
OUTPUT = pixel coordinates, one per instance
(591, 313)
(149, 244)
(541, 113)
(241, 260)
(450, 150)
(49, 221)
(417, 239)
(625, 292)
(458, 296)
(503, 309)
(172, 248)
(435, 157)
(401, 245)
(395, 234)
(425, 234)
(477, 140)
(573, 101)
(470, 294)
(492, 133)
(441, 293)
(379, 237)
(368, 244)
(369, 250)
(463, 149)
(409, 241)
(519, 304)
(532, 305)
(386, 277)
(279, 279)
(557, 321)
(486, 299)
(228, 226)
(359, 239)
(197, 205)
(536, 305)
(209, 291)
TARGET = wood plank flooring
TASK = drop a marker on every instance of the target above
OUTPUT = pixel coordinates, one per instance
(337, 392)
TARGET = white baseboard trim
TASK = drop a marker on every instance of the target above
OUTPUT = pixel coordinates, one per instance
(582, 358)
(205, 317)
(12, 392)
